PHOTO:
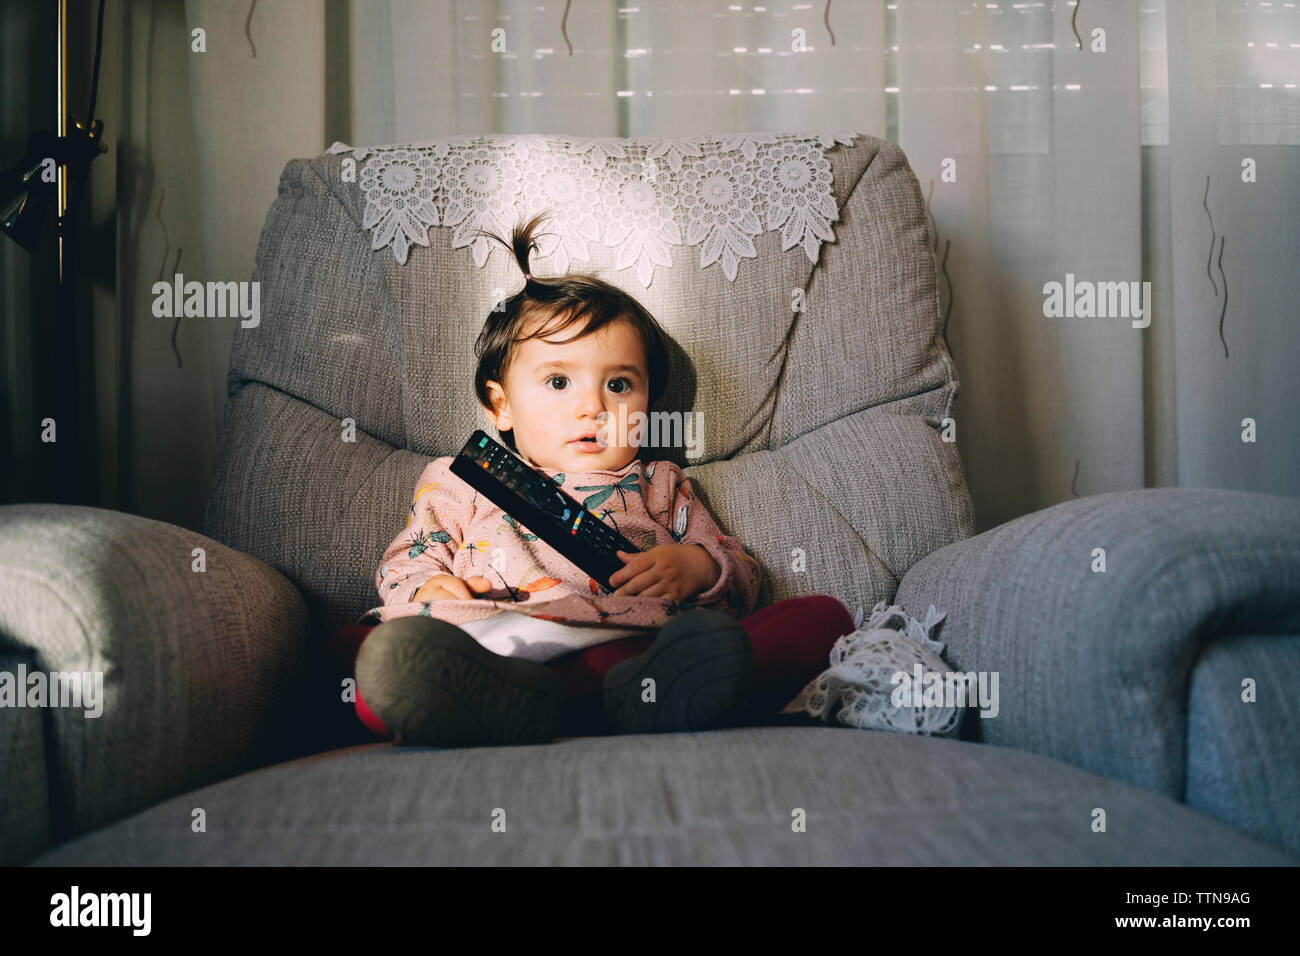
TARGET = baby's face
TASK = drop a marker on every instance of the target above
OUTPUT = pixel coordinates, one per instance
(554, 394)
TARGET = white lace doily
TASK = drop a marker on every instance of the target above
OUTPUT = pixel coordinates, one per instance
(636, 196)
(856, 690)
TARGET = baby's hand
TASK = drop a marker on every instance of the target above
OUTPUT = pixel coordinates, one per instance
(448, 587)
(675, 571)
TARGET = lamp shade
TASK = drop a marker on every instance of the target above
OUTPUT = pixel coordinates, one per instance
(25, 194)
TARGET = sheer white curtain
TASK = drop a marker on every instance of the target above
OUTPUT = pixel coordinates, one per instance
(1042, 141)
(1066, 161)
(1233, 73)
(1095, 164)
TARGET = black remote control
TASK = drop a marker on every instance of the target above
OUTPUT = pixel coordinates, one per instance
(536, 502)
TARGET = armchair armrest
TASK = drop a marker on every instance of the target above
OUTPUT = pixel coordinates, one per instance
(1095, 667)
(194, 668)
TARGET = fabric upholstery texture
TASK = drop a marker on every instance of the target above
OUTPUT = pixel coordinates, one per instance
(25, 824)
(200, 669)
(715, 798)
(1123, 673)
(1243, 762)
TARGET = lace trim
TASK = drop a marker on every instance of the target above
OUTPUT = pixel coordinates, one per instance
(638, 197)
(856, 689)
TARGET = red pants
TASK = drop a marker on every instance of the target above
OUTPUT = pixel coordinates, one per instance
(792, 641)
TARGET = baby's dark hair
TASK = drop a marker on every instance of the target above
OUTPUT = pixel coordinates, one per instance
(568, 299)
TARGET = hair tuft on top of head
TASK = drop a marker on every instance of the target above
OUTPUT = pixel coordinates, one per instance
(522, 241)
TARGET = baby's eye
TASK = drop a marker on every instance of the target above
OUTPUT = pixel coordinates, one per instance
(554, 377)
(627, 385)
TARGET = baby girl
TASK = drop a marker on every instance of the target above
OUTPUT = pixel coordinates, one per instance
(485, 631)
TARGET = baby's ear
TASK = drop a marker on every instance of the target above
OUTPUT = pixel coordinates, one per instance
(498, 413)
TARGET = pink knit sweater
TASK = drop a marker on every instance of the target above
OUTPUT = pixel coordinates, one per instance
(453, 529)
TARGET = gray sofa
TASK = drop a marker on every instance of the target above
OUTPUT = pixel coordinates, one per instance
(224, 739)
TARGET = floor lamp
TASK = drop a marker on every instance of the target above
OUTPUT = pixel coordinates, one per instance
(52, 163)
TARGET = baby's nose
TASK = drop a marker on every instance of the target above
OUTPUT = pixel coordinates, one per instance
(591, 402)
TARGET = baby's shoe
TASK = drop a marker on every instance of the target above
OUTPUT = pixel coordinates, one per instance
(431, 683)
(702, 666)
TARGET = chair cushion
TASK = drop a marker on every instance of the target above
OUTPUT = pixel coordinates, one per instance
(772, 796)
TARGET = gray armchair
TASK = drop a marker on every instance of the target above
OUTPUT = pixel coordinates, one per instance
(1141, 673)
(823, 384)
